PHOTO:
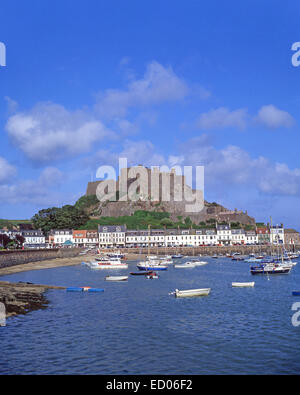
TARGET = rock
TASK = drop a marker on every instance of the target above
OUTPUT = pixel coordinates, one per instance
(21, 298)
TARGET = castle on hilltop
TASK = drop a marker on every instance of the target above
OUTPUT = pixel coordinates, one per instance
(161, 192)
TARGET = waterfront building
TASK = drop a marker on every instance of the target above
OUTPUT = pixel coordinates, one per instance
(145, 238)
(277, 234)
(291, 236)
(251, 237)
(238, 236)
(263, 235)
(62, 238)
(224, 234)
(85, 238)
(34, 239)
(112, 235)
(190, 237)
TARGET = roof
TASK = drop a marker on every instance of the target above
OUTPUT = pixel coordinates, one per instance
(290, 231)
(111, 228)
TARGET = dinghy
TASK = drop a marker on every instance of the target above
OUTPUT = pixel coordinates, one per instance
(242, 285)
(152, 276)
(192, 292)
(116, 278)
(142, 273)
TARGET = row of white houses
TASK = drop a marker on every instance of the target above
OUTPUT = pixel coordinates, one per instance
(119, 236)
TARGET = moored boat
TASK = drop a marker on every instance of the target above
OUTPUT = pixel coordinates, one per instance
(84, 289)
(151, 266)
(116, 278)
(270, 269)
(152, 276)
(241, 285)
(141, 273)
(107, 264)
(185, 265)
(192, 292)
(177, 256)
(199, 263)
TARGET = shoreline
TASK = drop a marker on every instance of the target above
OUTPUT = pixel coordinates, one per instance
(22, 298)
(53, 263)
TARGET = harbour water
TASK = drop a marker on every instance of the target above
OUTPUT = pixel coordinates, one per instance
(136, 327)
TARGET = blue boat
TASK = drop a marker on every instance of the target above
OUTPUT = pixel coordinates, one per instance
(84, 289)
(296, 293)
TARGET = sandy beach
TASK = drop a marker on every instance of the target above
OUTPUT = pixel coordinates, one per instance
(58, 262)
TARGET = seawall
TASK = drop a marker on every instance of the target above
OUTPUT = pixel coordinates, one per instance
(209, 250)
(20, 257)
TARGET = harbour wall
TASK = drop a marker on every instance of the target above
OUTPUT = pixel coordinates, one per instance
(211, 250)
(20, 257)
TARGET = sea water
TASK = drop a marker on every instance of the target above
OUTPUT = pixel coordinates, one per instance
(138, 327)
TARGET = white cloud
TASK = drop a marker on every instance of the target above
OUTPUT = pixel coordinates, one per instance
(42, 191)
(159, 84)
(7, 171)
(49, 132)
(221, 118)
(233, 167)
(272, 117)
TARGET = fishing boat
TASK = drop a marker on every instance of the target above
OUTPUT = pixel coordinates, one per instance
(242, 285)
(185, 265)
(192, 292)
(151, 266)
(270, 269)
(107, 264)
(116, 278)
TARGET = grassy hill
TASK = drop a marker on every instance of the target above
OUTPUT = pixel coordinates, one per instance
(10, 223)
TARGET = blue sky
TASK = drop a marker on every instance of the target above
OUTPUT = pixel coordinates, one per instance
(159, 82)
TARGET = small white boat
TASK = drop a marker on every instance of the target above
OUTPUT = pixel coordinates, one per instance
(116, 278)
(192, 292)
(199, 263)
(152, 257)
(166, 260)
(107, 265)
(185, 265)
(242, 285)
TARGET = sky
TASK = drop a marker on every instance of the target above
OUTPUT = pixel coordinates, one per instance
(197, 83)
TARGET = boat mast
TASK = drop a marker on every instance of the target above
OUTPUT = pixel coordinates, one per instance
(271, 237)
(149, 226)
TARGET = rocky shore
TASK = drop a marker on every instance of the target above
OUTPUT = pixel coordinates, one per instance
(21, 298)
